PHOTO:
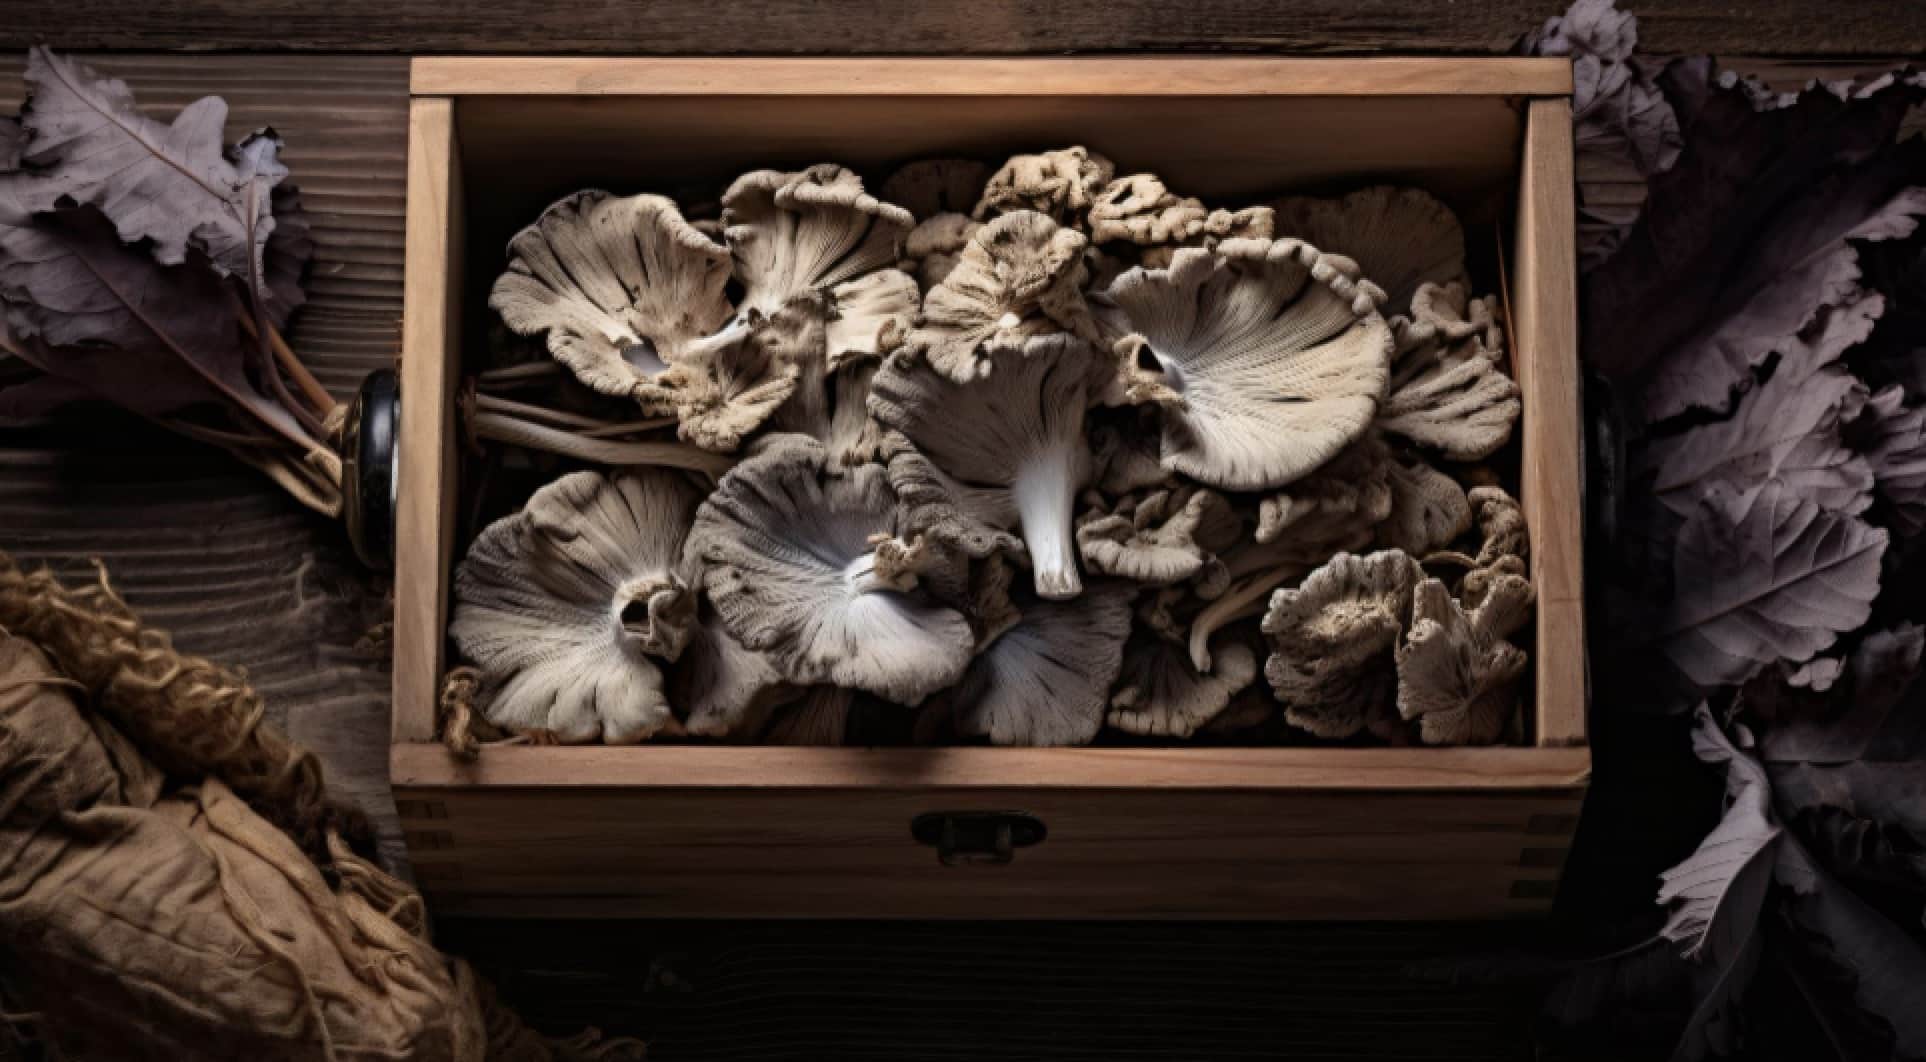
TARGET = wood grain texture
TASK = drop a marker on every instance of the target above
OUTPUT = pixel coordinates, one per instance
(1544, 307)
(430, 364)
(200, 545)
(1134, 76)
(989, 27)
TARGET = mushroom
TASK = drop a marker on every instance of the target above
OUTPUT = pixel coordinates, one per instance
(1336, 508)
(1125, 456)
(723, 390)
(719, 686)
(621, 288)
(1161, 693)
(810, 231)
(1399, 237)
(1062, 184)
(566, 606)
(934, 246)
(1457, 674)
(1140, 210)
(1333, 639)
(1428, 508)
(1162, 536)
(1019, 276)
(870, 316)
(1266, 358)
(1046, 679)
(819, 717)
(1447, 392)
(790, 558)
(929, 187)
(1003, 452)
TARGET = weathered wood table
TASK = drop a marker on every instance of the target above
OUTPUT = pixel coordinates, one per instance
(210, 550)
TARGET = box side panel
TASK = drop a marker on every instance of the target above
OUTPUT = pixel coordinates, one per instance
(849, 853)
(424, 520)
(1544, 307)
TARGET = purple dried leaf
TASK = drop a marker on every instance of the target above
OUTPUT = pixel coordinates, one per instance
(9, 144)
(1747, 236)
(1896, 351)
(1870, 723)
(1896, 454)
(175, 186)
(36, 398)
(1765, 576)
(290, 248)
(1884, 966)
(1788, 428)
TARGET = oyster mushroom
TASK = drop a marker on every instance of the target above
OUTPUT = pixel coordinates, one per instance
(1161, 693)
(1457, 674)
(1125, 456)
(790, 559)
(726, 388)
(1447, 392)
(1020, 275)
(928, 187)
(1400, 238)
(566, 607)
(1266, 358)
(721, 687)
(809, 231)
(1335, 509)
(1046, 679)
(1333, 640)
(1003, 452)
(621, 288)
(1062, 184)
(935, 245)
(870, 316)
(1428, 508)
(1159, 537)
(1140, 210)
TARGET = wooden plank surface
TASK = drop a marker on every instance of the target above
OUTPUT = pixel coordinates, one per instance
(200, 545)
(1133, 76)
(884, 27)
(1544, 329)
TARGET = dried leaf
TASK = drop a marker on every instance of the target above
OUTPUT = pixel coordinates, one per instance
(1871, 725)
(176, 186)
(1883, 965)
(1788, 428)
(1896, 452)
(1749, 235)
(1765, 576)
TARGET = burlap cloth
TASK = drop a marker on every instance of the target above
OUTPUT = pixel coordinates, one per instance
(174, 883)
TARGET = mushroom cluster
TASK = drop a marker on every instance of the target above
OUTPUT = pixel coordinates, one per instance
(1037, 455)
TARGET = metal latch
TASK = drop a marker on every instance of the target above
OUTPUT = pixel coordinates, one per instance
(983, 838)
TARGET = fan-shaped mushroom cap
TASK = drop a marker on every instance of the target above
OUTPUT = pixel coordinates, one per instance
(726, 388)
(871, 316)
(1004, 451)
(790, 564)
(1336, 508)
(1399, 237)
(1046, 679)
(1161, 693)
(928, 187)
(810, 231)
(620, 287)
(1333, 638)
(819, 717)
(935, 245)
(562, 605)
(1457, 674)
(1062, 184)
(1159, 537)
(720, 687)
(1020, 275)
(1428, 508)
(1447, 391)
(1125, 457)
(1273, 357)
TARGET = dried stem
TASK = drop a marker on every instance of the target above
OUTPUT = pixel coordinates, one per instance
(1245, 598)
(506, 429)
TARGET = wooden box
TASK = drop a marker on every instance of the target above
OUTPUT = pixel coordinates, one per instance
(1247, 833)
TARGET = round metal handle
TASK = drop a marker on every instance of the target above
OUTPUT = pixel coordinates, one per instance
(369, 468)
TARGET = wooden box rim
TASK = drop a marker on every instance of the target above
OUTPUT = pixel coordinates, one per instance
(1543, 308)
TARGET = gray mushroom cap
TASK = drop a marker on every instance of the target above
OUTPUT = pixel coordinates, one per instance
(1161, 693)
(928, 187)
(1006, 451)
(1448, 393)
(1333, 639)
(1046, 679)
(808, 231)
(1160, 536)
(1400, 238)
(1019, 276)
(1267, 358)
(1457, 674)
(1061, 184)
(566, 606)
(789, 556)
(620, 288)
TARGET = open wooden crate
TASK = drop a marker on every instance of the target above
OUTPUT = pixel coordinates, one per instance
(1250, 833)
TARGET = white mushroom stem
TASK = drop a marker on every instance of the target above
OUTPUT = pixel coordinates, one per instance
(1244, 599)
(1044, 490)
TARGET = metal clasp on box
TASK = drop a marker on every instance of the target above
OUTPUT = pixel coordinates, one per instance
(977, 838)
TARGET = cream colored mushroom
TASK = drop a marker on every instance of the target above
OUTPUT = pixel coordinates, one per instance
(810, 231)
(1158, 537)
(1046, 679)
(1020, 276)
(1399, 237)
(1448, 393)
(1141, 210)
(1161, 693)
(1266, 357)
(1429, 509)
(1062, 184)
(567, 606)
(929, 187)
(1457, 675)
(1333, 639)
(620, 288)
(935, 245)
